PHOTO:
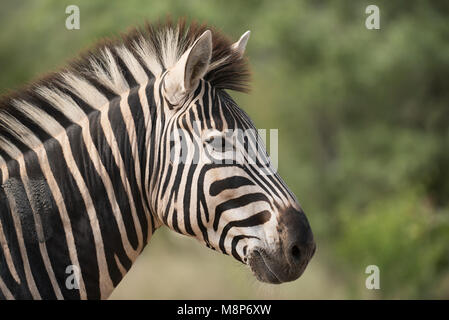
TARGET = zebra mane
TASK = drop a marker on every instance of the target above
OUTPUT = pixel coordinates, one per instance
(149, 49)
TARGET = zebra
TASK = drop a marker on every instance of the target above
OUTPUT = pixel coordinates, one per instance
(98, 155)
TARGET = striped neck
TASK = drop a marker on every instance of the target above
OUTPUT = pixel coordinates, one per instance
(74, 184)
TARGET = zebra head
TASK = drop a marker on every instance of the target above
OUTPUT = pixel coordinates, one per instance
(214, 179)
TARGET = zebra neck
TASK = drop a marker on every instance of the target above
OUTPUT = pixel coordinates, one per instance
(75, 204)
(120, 173)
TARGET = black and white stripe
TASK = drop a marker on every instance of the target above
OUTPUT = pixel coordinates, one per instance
(89, 168)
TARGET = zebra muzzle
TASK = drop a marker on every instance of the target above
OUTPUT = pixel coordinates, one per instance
(288, 260)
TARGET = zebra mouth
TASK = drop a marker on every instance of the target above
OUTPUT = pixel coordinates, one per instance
(258, 262)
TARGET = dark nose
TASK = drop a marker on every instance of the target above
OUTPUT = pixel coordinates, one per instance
(297, 236)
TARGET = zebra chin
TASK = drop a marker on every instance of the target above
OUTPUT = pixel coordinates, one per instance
(274, 268)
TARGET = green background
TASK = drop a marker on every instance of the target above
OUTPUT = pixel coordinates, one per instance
(363, 135)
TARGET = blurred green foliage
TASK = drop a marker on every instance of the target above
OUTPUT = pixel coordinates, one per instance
(362, 116)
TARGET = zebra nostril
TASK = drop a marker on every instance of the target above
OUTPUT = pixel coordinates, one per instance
(296, 253)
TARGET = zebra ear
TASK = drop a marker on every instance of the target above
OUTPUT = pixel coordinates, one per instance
(240, 45)
(190, 68)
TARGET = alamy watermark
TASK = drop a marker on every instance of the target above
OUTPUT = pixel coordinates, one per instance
(227, 147)
(372, 282)
(72, 22)
(73, 277)
(372, 22)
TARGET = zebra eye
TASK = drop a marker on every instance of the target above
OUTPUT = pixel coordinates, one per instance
(210, 140)
(219, 143)
(215, 142)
